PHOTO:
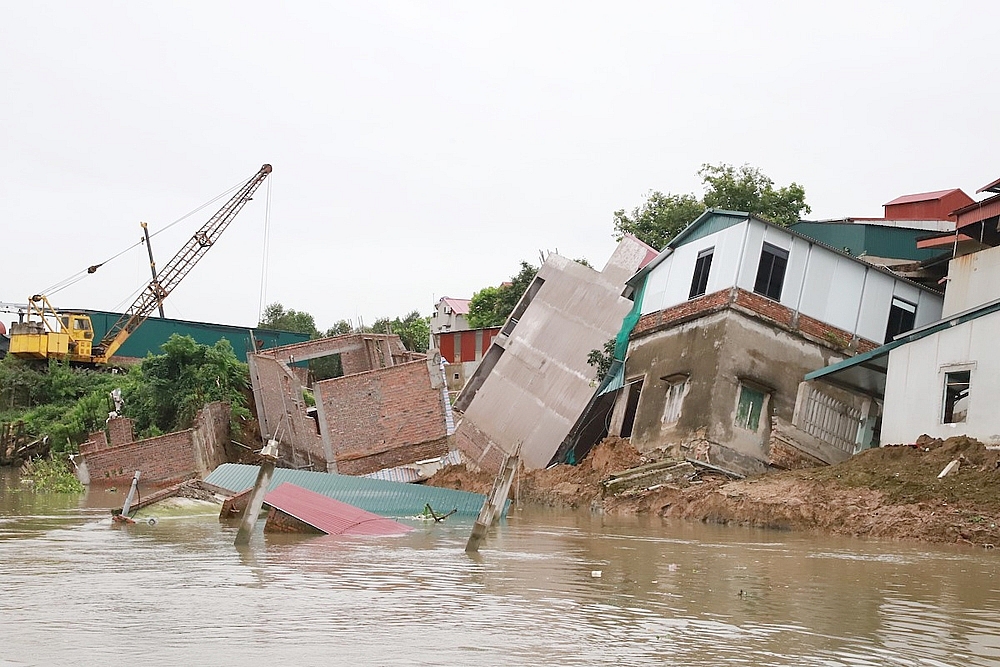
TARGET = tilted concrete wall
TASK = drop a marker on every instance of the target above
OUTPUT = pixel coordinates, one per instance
(165, 459)
(383, 418)
(535, 381)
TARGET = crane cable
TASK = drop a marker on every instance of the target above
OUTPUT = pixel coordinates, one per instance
(80, 275)
(264, 257)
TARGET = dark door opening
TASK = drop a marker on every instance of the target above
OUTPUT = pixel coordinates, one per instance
(632, 403)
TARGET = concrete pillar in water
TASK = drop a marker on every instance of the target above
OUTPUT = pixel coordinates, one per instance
(270, 456)
(493, 506)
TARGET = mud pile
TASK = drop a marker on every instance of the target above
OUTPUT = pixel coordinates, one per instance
(891, 492)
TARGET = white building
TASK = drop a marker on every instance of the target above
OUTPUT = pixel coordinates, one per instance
(940, 379)
(733, 313)
(450, 315)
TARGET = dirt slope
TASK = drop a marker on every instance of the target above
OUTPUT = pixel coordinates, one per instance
(890, 492)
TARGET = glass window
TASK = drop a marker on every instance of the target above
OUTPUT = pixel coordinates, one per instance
(902, 316)
(771, 272)
(699, 283)
(750, 406)
(675, 396)
(956, 397)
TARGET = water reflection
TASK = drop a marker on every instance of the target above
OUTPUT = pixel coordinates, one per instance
(75, 590)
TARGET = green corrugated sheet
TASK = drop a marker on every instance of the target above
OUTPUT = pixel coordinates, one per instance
(873, 240)
(374, 495)
(154, 332)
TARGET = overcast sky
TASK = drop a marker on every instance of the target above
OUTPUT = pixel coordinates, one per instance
(422, 149)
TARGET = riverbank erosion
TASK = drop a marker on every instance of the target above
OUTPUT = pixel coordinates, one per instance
(889, 492)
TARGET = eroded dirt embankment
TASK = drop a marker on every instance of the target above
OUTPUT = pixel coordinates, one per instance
(892, 492)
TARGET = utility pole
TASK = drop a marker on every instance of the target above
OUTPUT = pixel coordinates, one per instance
(152, 267)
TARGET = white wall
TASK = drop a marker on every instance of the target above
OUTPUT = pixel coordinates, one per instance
(822, 284)
(972, 281)
(914, 391)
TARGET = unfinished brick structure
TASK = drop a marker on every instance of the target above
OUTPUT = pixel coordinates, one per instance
(278, 383)
(113, 457)
(384, 418)
(388, 409)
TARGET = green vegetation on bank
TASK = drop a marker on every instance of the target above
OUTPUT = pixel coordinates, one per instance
(162, 394)
(51, 475)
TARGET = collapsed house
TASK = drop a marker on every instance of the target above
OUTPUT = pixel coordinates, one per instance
(941, 379)
(734, 312)
(389, 409)
(534, 380)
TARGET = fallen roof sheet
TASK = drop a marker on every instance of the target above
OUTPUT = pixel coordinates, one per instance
(372, 495)
(330, 516)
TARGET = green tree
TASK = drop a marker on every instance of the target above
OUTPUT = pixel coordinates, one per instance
(413, 330)
(748, 189)
(173, 386)
(491, 306)
(662, 216)
(276, 317)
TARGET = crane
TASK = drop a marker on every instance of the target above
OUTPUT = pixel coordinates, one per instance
(70, 335)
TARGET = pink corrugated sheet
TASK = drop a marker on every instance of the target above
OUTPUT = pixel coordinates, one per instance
(328, 515)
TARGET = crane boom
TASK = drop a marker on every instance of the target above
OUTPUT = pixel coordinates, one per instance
(175, 270)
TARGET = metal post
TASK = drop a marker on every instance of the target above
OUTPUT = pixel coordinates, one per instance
(270, 457)
(131, 494)
(152, 267)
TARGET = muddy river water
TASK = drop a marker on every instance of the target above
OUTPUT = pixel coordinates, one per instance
(549, 588)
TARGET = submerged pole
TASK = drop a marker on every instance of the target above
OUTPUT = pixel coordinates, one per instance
(131, 494)
(493, 507)
(270, 456)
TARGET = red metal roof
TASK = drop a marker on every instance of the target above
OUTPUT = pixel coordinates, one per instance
(921, 196)
(990, 187)
(458, 306)
(328, 515)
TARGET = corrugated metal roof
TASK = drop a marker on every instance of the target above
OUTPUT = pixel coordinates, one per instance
(459, 306)
(373, 495)
(921, 196)
(333, 517)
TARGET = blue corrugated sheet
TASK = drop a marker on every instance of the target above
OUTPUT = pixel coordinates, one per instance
(373, 495)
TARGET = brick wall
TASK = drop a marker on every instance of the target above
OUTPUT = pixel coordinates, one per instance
(120, 431)
(383, 418)
(165, 459)
(759, 306)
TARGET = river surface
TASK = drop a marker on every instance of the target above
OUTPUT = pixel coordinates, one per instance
(549, 588)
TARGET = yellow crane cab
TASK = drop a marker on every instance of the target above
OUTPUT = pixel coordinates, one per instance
(53, 335)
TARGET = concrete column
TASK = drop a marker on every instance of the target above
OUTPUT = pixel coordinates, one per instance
(270, 456)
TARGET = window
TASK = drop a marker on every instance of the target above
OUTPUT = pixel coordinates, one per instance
(771, 272)
(676, 384)
(956, 397)
(699, 283)
(902, 315)
(749, 408)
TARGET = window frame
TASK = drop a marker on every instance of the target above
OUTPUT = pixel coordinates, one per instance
(677, 386)
(776, 253)
(900, 305)
(952, 395)
(748, 388)
(702, 270)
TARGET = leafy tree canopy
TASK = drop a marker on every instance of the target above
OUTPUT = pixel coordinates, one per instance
(662, 216)
(276, 317)
(491, 306)
(413, 330)
(162, 394)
